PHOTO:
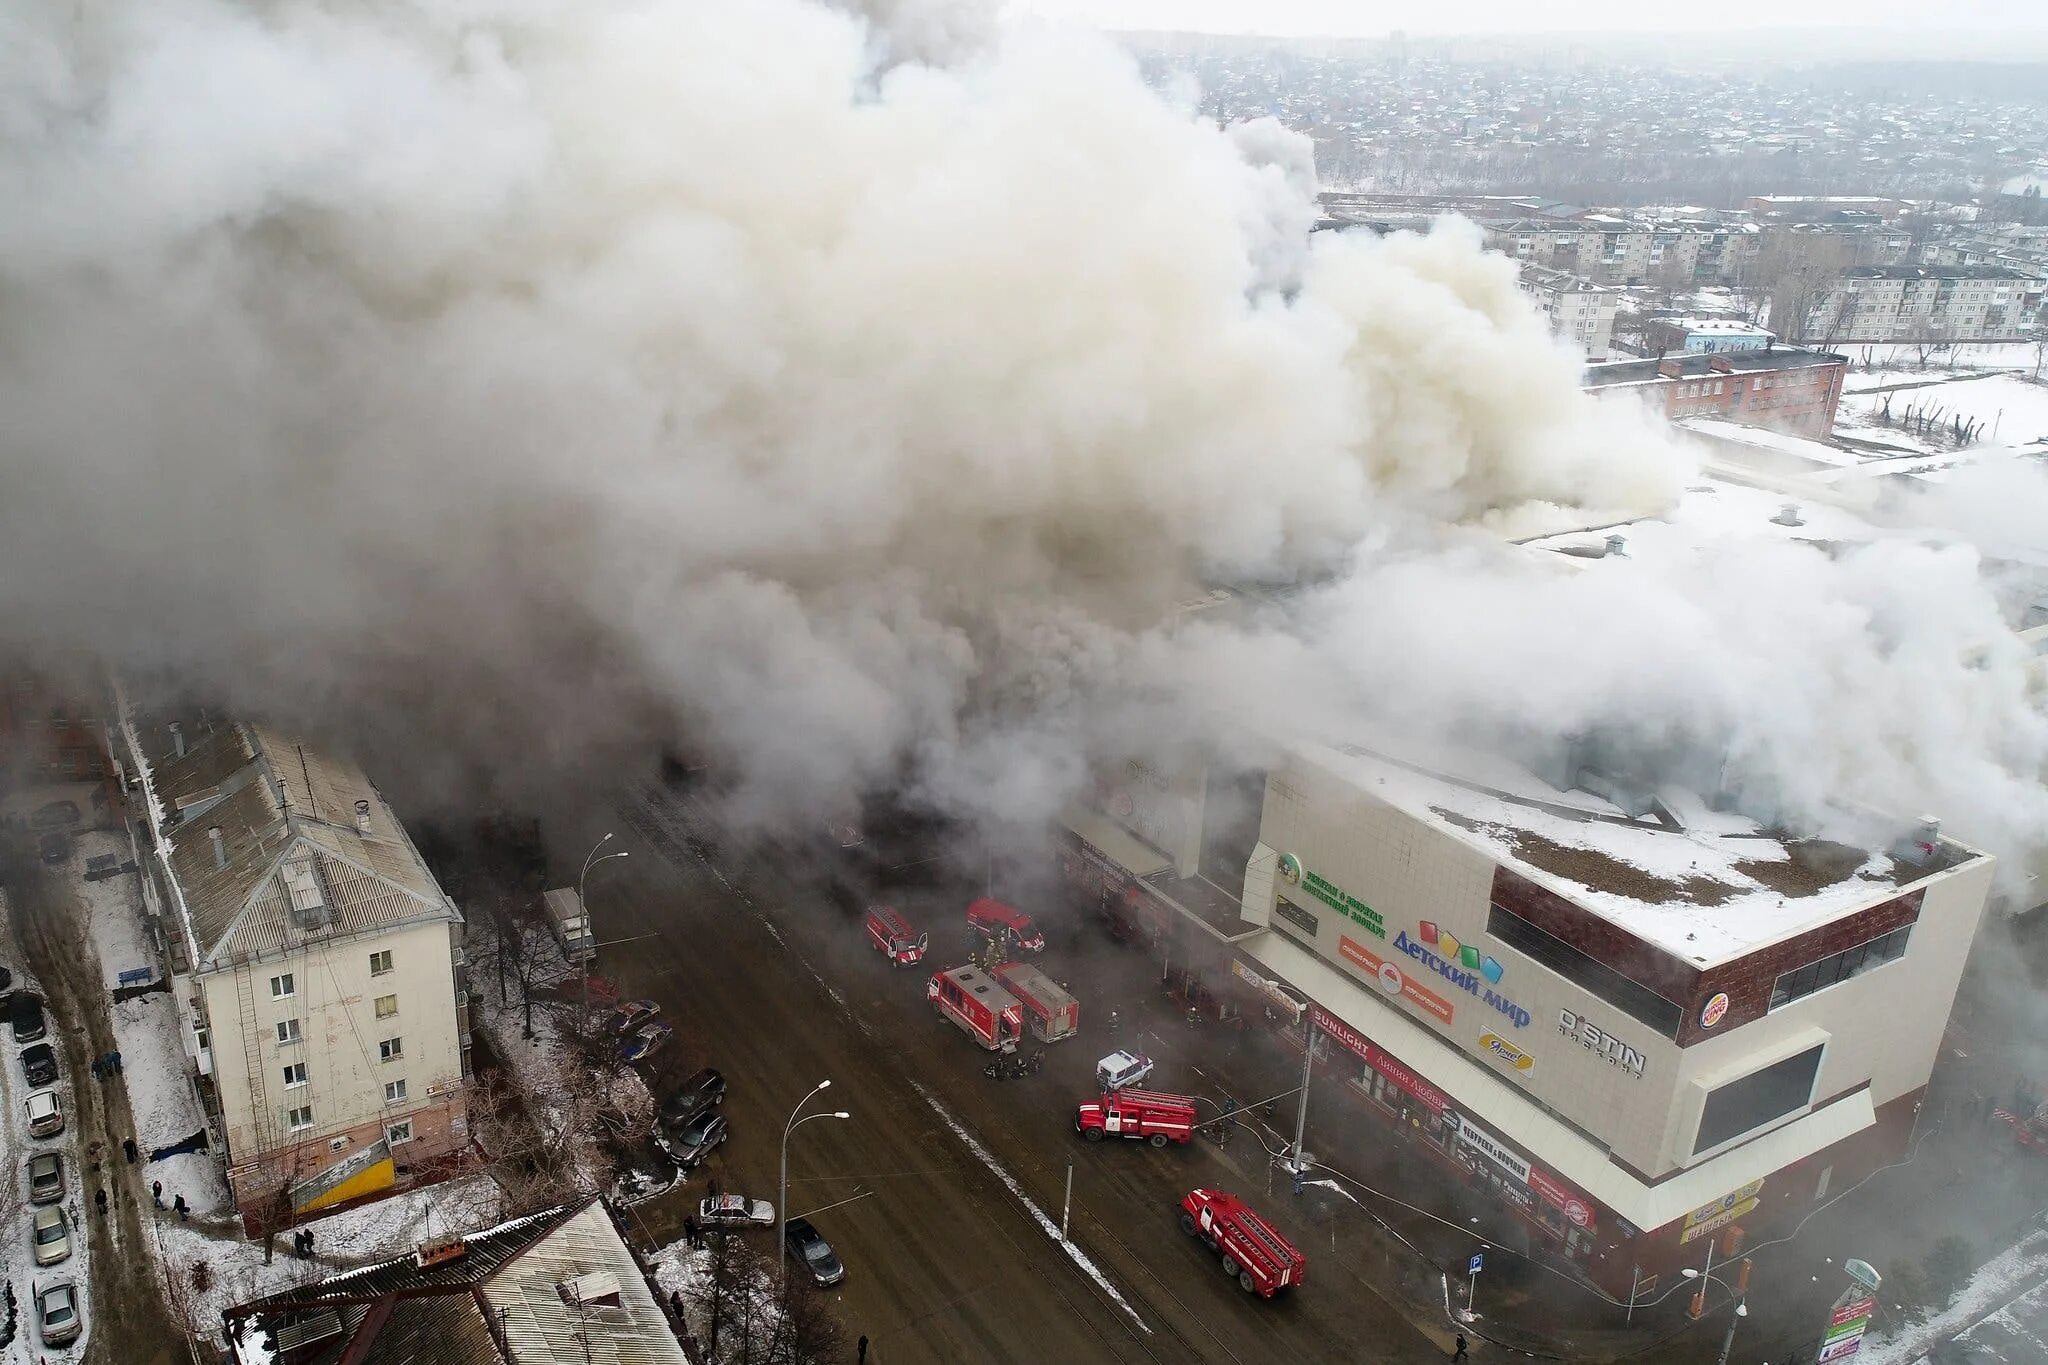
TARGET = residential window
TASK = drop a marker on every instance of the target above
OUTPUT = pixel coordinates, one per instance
(287, 1031)
(1801, 982)
(391, 1049)
(399, 1132)
(281, 987)
(380, 963)
(203, 1038)
(294, 1075)
(394, 1091)
(299, 1118)
(387, 1005)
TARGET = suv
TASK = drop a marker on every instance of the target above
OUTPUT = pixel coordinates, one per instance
(39, 1064)
(45, 1114)
(693, 1098)
(26, 1012)
(45, 1178)
(695, 1139)
(811, 1248)
(1121, 1069)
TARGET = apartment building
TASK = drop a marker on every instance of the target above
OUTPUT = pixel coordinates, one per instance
(1578, 310)
(1626, 1020)
(50, 731)
(1613, 251)
(317, 961)
(1875, 303)
(1781, 387)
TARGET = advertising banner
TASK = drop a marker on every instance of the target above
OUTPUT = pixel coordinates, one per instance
(1484, 1143)
(1380, 1060)
(1391, 979)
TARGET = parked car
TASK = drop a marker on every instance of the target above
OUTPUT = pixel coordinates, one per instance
(631, 1015)
(39, 1064)
(57, 1313)
(691, 1099)
(697, 1138)
(45, 1178)
(809, 1247)
(1121, 1069)
(26, 1013)
(734, 1210)
(45, 1114)
(648, 1041)
(50, 1235)
(54, 814)
(54, 845)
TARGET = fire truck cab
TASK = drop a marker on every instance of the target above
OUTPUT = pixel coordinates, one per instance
(1049, 1012)
(1142, 1114)
(1254, 1253)
(983, 1010)
(893, 937)
(1005, 924)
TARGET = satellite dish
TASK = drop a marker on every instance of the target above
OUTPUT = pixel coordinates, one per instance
(1864, 1273)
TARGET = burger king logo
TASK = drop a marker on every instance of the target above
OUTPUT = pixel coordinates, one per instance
(1714, 1011)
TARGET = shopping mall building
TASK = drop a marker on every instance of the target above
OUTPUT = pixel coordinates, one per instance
(1632, 1019)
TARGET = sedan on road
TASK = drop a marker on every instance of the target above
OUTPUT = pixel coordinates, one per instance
(648, 1041)
(39, 1064)
(693, 1097)
(696, 1139)
(809, 1246)
(51, 1237)
(45, 1178)
(57, 1313)
(735, 1210)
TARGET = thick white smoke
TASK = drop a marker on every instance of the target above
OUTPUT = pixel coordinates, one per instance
(535, 380)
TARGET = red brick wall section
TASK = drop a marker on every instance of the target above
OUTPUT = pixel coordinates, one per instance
(1647, 966)
(1748, 980)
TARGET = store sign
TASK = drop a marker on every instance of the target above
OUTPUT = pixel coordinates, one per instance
(1846, 1326)
(1484, 1143)
(1723, 1211)
(1344, 903)
(1473, 982)
(1282, 998)
(1577, 1211)
(1597, 1039)
(1379, 1060)
(1505, 1052)
(1290, 869)
(1396, 982)
(1714, 1011)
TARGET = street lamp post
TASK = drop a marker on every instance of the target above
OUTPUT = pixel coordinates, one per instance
(1741, 1296)
(782, 1181)
(589, 930)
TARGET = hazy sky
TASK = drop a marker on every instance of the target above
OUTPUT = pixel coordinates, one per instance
(1374, 17)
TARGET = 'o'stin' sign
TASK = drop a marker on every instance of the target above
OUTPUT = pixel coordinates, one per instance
(1714, 1011)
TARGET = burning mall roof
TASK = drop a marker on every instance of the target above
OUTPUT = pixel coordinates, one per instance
(1703, 884)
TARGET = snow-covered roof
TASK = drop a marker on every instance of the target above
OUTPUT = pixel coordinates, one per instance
(1704, 885)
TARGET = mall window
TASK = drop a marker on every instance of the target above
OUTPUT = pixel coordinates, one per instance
(1638, 1002)
(1757, 1099)
(1837, 967)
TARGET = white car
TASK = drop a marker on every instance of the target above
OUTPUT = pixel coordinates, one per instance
(45, 1114)
(1120, 1070)
(734, 1210)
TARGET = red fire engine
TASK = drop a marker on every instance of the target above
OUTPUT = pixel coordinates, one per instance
(994, 920)
(1144, 1114)
(985, 1011)
(1049, 1012)
(893, 937)
(1254, 1254)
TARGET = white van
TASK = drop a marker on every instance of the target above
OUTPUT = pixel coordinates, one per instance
(1120, 1069)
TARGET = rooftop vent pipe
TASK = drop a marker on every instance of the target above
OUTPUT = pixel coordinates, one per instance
(220, 847)
(363, 816)
(1788, 515)
(1617, 546)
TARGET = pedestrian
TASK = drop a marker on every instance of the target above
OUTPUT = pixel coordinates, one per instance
(860, 1350)
(156, 1192)
(1297, 1180)
(99, 1197)
(117, 1061)
(179, 1205)
(128, 1149)
(1460, 1354)
(96, 1071)
(714, 1188)
(309, 1241)
(690, 1229)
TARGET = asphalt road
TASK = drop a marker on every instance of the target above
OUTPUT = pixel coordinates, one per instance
(765, 979)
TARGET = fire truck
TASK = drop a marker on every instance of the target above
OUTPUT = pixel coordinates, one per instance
(893, 937)
(1254, 1253)
(1049, 1012)
(1004, 924)
(984, 1011)
(1146, 1115)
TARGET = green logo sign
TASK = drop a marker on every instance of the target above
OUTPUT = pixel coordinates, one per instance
(1352, 908)
(1290, 869)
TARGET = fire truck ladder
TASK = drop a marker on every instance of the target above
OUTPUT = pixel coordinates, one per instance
(260, 1117)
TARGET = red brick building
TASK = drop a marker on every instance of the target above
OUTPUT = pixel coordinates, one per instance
(1780, 387)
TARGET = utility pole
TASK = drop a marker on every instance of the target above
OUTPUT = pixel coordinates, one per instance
(1308, 1058)
(1067, 1204)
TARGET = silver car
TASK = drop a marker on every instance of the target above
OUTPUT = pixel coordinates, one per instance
(45, 1178)
(50, 1234)
(57, 1313)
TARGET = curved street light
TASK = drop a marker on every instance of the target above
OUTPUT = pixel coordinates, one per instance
(1741, 1297)
(589, 928)
(782, 1182)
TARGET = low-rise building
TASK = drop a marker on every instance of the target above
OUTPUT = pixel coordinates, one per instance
(1578, 310)
(50, 731)
(317, 960)
(1778, 386)
(1704, 335)
(1933, 303)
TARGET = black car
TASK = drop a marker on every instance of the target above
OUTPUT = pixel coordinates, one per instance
(25, 1012)
(816, 1254)
(694, 1141)
(693, 1098)
(39, 1064)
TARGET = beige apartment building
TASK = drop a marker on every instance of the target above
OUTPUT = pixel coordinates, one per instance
(316, 960)
(1580, 311)
(1930, 303)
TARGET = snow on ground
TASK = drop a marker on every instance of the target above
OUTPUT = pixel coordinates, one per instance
(2012, 409)
(1998, 1282)
(1976, 355)
(150, 1033)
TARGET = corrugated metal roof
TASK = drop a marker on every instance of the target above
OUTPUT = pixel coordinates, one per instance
(541, 1325)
